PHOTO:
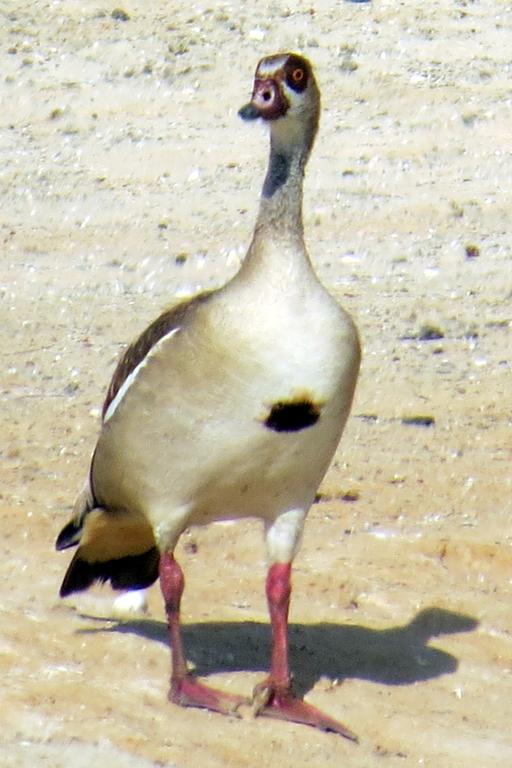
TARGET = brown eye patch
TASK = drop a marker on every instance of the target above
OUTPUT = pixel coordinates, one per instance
(296, 73)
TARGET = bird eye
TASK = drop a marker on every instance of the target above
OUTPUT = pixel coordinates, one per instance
(296, 74)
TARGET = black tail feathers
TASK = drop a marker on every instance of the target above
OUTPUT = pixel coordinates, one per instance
(130, 572)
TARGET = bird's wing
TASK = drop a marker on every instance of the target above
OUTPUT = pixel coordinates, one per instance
(170, 320)
(114, 545)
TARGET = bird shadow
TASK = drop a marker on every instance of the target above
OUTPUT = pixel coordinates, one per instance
(399, 655)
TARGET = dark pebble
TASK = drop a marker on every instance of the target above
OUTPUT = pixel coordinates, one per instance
(419, 421)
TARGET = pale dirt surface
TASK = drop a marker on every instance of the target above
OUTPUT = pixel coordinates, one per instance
(127, 180)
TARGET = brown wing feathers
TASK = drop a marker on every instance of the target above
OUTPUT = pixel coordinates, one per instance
(168, 321)
(117, 545)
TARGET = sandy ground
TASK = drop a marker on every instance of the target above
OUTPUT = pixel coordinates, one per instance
(127, 180)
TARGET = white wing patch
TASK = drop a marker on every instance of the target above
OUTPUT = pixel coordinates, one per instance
(127, 383)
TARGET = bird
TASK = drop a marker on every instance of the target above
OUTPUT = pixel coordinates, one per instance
(229, 405)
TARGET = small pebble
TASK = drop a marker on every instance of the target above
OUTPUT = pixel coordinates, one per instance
(120, 15)
(419, 421)
(430, 333)
(350, 495)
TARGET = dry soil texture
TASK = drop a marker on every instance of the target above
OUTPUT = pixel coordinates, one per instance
(127, 180)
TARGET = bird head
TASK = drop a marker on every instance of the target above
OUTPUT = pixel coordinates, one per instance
(285, 92)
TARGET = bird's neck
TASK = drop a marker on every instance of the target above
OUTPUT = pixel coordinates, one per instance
(281, 196)
(277, 246)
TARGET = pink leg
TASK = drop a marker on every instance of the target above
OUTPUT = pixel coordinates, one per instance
(185, 689)
(274, 696)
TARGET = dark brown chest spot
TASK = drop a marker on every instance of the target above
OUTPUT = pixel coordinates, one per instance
(292, 415)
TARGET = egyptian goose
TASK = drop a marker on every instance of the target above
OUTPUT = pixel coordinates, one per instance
(229, 405)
